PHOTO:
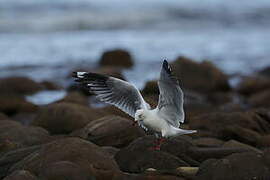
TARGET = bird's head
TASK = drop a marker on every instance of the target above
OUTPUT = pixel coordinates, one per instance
(139, 115)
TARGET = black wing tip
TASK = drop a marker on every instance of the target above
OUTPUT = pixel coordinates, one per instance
(167, 67)
(86, 76)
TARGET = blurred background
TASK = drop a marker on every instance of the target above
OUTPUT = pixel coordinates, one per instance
(46, 40)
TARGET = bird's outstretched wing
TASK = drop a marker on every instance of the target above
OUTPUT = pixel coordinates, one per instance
(114, 91)
(171, 99)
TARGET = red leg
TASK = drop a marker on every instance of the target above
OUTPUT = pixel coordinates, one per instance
(158, 143)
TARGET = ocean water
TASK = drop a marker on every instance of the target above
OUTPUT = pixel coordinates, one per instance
(48, 39)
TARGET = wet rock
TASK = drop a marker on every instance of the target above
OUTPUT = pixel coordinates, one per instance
(244, 135)
(202, 77)
(260, 99)
(112, 110)
(21, 175)
(239, 166)
(264, 141)
(201, 154)
(12, 104)
(24, 118)
(242, 126)
(208, 142)
(3, 116)
(236, 144)
(85, 155)
(252, 85)
(75, 98)
(150, 88)
(19, 85)
(111, 150)
(64, 117)
(110, 131)
(50, 85)
(219, 98)
(21, 136)
(63, 170)
(146, 176)
(14, 156)
(117, 57)
(265, 71)
(231, 107)
(138, 156)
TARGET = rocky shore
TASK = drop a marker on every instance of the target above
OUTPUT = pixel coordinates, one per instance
(73, 139)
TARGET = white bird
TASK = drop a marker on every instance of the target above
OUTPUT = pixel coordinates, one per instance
(164, 120)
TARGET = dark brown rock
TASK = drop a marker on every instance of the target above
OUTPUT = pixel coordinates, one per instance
(242, 126)
(265, 71)
(150, 88)
(202, 77)
(117, 57)
(86, 155)
(242, 134)
(15, 133)
(24, 117)
(260, 99)
(208, 142)
(14, 156)
(110, 131)
(63, 170)
(111, 150)
(201, 154)
(264, 141)
(3, 116)
(219, 98)
(112, 110)
(50, 85)
(146, 176)
(252, 85)
(236, 144)
(138, 156)
(75, 98)
(239, 166)
(11, 104)
(65, 117)
(21, 175)
(19, 85)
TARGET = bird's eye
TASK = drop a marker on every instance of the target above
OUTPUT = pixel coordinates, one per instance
(140, 116)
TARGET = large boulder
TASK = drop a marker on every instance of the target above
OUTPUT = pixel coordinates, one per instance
(19, 85)
(21, 175)
(12, 132)
(203, 77)
(3, 116)
(208, 142)
(65, 117)
(252, 85)
(11, 104)
(10, 158)
(242, 126)
(241, 166)
(265, 71)
(75, 98)
(84, 155)
(117, 57)
(110, 131)
(139, 156)
(260, 99)
(63, 170)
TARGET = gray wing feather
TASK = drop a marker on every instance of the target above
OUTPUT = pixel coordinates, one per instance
(171, 99)
(114, 91)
